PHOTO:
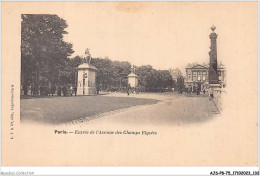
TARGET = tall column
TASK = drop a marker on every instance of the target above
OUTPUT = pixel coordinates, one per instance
(213, 63)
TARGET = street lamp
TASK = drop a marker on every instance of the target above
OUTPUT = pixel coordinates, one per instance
(85, 75)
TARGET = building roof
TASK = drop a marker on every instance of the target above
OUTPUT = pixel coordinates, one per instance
(86, 66)
(198, 66)
(194, 66)
(132, 75)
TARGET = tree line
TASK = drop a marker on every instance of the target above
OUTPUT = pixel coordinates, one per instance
(44, 53)
(46, 60)
(112, 75)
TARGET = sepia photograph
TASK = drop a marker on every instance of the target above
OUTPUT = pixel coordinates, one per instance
(130, 83)
(55, 87)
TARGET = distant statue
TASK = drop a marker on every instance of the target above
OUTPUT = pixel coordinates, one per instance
(132, 69)
(88, 56)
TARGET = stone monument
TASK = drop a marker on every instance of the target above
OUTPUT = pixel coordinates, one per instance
(213, 63)
(133, 78)
(86, 84)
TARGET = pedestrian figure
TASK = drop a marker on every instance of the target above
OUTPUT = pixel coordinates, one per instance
(198, 91)
(97, 89)
(75, 89)
(211, 93)
(128, 89)
(33, 90)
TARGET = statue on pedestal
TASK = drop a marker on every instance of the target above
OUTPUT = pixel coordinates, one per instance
(132, 69)
(86, 76)
(133, 78)
(88, 56)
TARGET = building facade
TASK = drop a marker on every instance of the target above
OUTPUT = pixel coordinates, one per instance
(197, 76)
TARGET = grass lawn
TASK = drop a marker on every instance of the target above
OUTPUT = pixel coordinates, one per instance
(55, 110)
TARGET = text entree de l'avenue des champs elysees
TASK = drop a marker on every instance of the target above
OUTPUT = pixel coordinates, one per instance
(117, 132)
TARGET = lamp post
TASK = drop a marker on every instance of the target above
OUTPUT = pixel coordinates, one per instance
(84, 76)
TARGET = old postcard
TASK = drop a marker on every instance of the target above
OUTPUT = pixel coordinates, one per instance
(129, 83)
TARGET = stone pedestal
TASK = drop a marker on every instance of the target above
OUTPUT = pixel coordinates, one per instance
(86, 84)
(133, 80)
(213, 76)
(216, 88)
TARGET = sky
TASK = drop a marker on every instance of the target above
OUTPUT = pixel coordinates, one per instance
(162, 34)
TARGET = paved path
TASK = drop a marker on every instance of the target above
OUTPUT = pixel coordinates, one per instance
(173, 109)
